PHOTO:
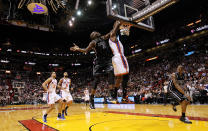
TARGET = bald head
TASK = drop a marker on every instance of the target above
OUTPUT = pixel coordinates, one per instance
(94, 35)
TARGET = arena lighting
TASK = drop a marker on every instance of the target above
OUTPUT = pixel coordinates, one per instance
(73, 18)
(138, 50)
(153, 58)
(198, 21)
(0, 49)
(9, 50)
(55, 65)
(30, 63)
(192, 31)
(23, 51)
(202, 28)
(70, 23)
(92, 52)
(79, 12)
(114, 7)
(7, 71)
(134, 46)
(89, 2)
(38, 73)
(4, 61)
(189, 53)
(190, 24)
(76, 64)
(162, 42)
(18, 51)
(37, 53)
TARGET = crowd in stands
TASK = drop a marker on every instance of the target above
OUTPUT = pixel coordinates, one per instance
(146, 81)
(145, 84)
(151, 79)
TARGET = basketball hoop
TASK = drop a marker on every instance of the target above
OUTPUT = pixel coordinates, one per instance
(125, 29)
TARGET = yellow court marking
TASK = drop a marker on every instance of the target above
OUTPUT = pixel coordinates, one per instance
(121, 122)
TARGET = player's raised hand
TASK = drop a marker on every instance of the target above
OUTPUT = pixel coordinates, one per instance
(74, 48)
(118, 22)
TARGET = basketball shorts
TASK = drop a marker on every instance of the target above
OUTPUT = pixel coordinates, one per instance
(102, 67)
(66, 96)
(120, 65)
(87, 98)
(175, 93)
(52, 98)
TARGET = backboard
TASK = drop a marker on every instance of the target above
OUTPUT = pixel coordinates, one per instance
(137, 12)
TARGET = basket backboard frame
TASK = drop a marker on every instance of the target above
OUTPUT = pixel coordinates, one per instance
(137, 18)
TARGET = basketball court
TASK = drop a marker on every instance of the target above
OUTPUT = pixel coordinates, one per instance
(111, 117)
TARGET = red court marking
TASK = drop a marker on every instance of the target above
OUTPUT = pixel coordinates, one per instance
(34, 125)
(30, 108)
(158, 115)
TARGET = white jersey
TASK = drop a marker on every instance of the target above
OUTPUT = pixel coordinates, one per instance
(119, 61)
(117, 48)
(52, 86)
(65, 84)
(87, 95)
(165, 89)
(65, 93)
(86, 92)
(51, 96)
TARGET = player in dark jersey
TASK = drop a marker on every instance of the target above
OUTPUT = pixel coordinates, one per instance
(102, 62)
(176, 89)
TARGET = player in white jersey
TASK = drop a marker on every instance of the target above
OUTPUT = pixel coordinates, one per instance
(50, 87)
(87, 96)
(120, 63)
(65, 84)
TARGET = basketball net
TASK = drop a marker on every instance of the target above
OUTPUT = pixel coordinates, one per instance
(125, 29)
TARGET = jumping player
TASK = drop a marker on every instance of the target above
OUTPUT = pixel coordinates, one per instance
(120, 63)
(50, 87)
(102, 62)
(65, 84)
(176, 89)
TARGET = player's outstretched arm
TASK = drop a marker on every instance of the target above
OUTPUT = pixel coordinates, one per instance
(44, 85)
(106, 37)
(114, 30)
(86, 50)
